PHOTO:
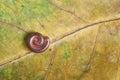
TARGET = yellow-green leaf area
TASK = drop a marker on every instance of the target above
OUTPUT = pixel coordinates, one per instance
(11, 42)
(84, 36)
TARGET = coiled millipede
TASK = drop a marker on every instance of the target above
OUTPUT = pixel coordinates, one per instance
(38, 43)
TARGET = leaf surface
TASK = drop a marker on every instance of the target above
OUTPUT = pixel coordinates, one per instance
(85, 39)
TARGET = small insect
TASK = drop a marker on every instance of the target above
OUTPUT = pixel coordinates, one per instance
(38, 43)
